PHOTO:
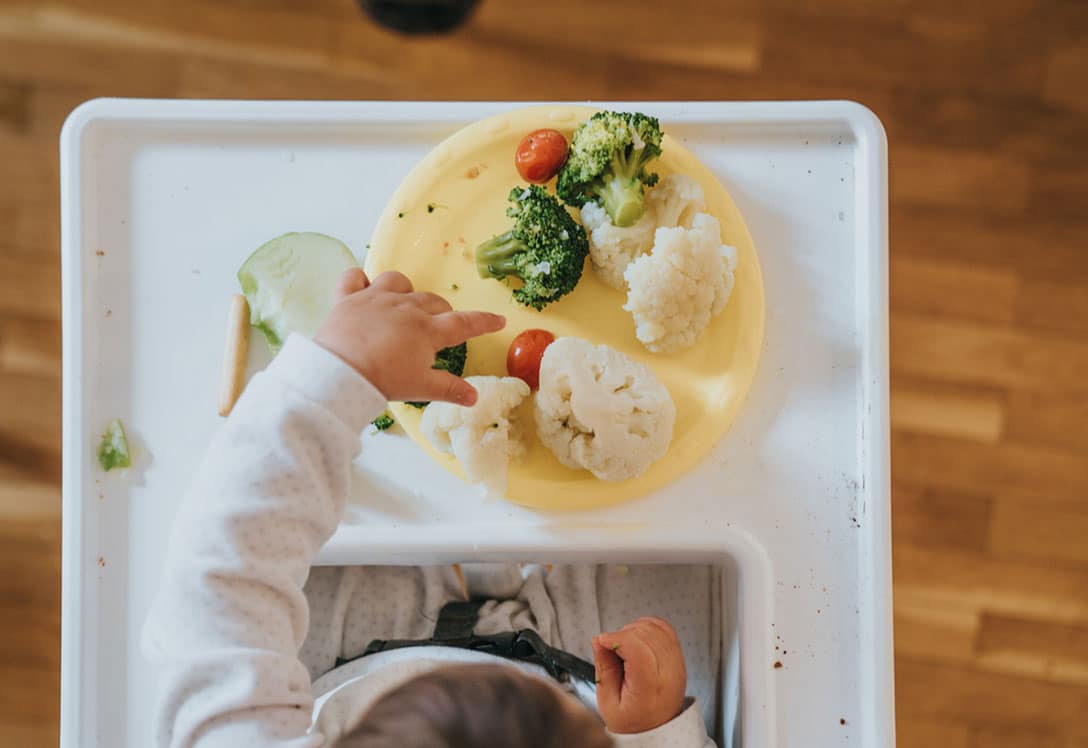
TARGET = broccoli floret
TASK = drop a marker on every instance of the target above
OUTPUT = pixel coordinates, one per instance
(607, 164)
(383, 422)
(546, 248)
(450, 359)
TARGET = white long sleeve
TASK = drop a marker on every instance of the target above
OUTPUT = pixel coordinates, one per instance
(686, 730)
(225, 629)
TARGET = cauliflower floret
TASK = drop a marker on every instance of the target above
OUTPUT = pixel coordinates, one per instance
(612, 248)
(675, 201)
(672, 202)
(600, 410)
(483, 438)
(675, 290)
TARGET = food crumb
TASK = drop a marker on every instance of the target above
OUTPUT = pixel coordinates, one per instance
(472, 173)
(842, 720)
(400, 215)
(101, 562)
(777, 664)
(615, 647)
(461, 239)
(445, 244)
(454, 287)
(99, 253)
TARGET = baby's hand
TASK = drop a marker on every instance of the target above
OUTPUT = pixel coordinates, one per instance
(390, 334)
(641, 676)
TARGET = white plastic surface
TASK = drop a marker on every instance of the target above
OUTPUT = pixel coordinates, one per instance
(795, 500)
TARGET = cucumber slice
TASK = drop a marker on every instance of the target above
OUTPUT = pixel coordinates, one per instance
(289, 283)
(113, 451)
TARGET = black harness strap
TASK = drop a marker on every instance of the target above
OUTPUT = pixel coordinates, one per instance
(454, 629)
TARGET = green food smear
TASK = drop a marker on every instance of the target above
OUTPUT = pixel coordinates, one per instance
(113, 451)
(383, 422)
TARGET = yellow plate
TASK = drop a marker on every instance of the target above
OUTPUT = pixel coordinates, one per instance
(456, 198)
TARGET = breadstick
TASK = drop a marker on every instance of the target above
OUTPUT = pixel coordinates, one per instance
(234, 356)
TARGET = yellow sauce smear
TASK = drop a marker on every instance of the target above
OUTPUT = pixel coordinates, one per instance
(465, 180)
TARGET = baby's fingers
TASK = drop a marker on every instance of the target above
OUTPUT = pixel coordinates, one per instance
(454, 328)
(432, 303)
(447, 387)
(640, 666)
(393, 281)
(352, 280)
(609, 676)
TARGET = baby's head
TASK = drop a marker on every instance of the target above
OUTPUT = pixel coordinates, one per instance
(470, 706)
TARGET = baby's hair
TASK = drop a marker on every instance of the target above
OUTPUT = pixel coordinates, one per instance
(472, 706)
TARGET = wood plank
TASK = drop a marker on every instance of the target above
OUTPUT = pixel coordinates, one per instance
(212, 78)
(971, 353)
(30, 288)
(30, 347)
(28, 194)
(45, 735)
(1053, 305)
(1013, 736)
(634, 37)
(969, 180)
(217, 31)
(956, 582)
(103, 69)
(952, 289)
(24, 499)
(946, 692)
(1013, 469)
(362, 50)
(1055, 419)
(31, 428)
(947, 411)
(941, 518)
(1041, 530)
(959, 119)
(36, 700)
(924, 733)
(14, 107)
(1035, 246)
(1046, 651)
(858, 46)
(931, 629)
(1066, 71)
(1059, 186)
(30, 628)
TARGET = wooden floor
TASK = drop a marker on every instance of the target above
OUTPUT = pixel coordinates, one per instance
(986, 108)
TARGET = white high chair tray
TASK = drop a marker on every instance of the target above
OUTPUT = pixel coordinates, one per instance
(163, 200)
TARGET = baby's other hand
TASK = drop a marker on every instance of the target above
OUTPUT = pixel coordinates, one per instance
(390, 333)
(641, 676)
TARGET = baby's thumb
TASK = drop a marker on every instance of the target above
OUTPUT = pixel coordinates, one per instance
(450, 388)
(609, 676)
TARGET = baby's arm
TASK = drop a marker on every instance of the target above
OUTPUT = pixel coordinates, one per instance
(641, 685)
(230, 616)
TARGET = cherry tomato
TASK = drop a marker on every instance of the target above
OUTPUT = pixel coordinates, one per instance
(523, 358)
(540, 155)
